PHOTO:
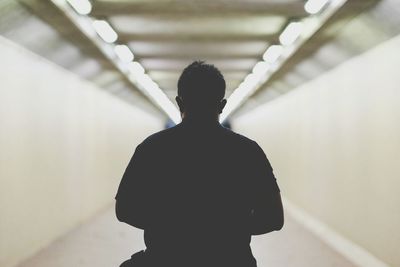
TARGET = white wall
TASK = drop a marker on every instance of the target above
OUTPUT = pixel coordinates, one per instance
(64, 145)
(334, 144)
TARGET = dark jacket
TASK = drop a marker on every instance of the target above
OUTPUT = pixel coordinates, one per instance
(199, 192)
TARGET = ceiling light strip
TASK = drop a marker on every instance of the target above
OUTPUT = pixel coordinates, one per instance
(294, 36)
(105, 31)
(83, 7)
(124, 53)
(119, 55)
(315, 6)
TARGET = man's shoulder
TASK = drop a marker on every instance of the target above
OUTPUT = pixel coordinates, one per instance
(160, 136)
(167, 136)
(238, 137)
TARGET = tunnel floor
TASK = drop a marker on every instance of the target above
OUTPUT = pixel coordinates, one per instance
(105, 242)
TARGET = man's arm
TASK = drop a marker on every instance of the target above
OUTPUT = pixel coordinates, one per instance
(124, 214)
(268, 216)
(267, 213)
(130, 199)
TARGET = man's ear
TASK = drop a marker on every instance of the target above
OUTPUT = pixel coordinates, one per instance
(180, 103)
(221, 105)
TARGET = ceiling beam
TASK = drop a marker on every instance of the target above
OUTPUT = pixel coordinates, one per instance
(160, 37)
(200, 56)
(219, 7)
(225, 65)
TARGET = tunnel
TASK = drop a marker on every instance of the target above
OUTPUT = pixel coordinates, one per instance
(314, 82)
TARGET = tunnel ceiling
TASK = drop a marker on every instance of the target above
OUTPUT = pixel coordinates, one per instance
(167, 35)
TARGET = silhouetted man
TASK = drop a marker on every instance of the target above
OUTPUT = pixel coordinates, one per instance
(198, 190)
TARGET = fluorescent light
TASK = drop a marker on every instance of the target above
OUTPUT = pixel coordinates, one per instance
(154, 91)
(291, 33)
(315, 6)
(234, 100)
(124, 53)
(136, 68)
(146, 81)
(261, 68)
(82, 7)
(87, 25)
(273, 53)
(105, 31)
(251, 80)
(245, 89)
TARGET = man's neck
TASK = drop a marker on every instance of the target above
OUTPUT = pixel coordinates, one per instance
(201, 120)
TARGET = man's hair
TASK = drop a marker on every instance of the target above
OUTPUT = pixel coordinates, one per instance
(201, 83)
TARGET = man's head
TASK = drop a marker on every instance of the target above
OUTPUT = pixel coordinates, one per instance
(201, 90)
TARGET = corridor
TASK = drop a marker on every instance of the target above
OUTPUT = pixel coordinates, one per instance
(314, 83)
(105, 242)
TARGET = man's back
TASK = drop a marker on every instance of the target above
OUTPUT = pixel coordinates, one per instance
(196, 190)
